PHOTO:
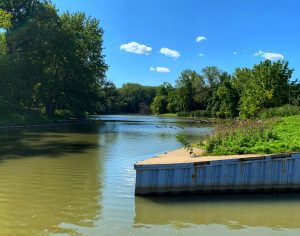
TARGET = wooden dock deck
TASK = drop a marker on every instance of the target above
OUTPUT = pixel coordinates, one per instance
(177, 172)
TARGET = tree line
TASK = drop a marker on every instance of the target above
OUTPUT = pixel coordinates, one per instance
(216, 93)
(52, 65)
(212, 92)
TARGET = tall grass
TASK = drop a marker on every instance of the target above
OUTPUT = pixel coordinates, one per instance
(283, 111)
(240, 137)
(276, 135)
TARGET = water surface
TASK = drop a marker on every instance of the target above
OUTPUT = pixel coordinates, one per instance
(79, 180)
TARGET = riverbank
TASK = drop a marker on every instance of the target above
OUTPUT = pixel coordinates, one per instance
(280, 135)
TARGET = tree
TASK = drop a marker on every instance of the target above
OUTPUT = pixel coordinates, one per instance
(159, 104)
(173, 101)
(59, 58)
(135, 97)
(225, 99)
(240, 78)
(186, 89)
(20, 10)
(294, 93)
(212, 75)
(85, 67)
(267, 87)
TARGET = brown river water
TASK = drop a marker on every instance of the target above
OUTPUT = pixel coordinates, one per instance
(79, 180)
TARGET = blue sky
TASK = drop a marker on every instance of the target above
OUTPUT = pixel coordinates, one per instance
(151, 42)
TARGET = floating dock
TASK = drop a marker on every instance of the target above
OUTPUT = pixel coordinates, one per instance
(177, 172)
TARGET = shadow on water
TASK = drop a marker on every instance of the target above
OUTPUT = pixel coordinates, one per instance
(273, 211)
(50, 142)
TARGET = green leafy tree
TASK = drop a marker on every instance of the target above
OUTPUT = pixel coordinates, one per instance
(186, 89)
(173, 101)
(134, 97)
(225, 99)
(85, 69)
(267, 87)
(159, 104)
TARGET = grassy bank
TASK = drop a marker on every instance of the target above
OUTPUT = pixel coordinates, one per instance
(278, 135)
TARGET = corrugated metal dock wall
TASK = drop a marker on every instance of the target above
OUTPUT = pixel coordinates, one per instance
(265, 173)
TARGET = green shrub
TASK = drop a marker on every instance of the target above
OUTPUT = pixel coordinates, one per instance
(283, 111)
(277, 135)
(239, 137)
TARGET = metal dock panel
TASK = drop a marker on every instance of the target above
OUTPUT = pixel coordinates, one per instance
(268, 173)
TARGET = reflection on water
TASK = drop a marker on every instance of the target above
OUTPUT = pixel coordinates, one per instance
(233, 211)
(49, 182)
(79, 180)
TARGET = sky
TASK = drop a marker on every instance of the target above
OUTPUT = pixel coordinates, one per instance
(153, 41)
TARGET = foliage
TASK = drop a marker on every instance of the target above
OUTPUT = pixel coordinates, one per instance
(286, 110)
(267, 87)
(224, 101)
(254, 136)
(294, 93)
(50, 62)
(186, 89)
(53, 65)
(159, 104)
(134, 96)
(5, 19)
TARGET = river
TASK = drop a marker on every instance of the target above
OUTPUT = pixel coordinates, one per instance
(79, 180)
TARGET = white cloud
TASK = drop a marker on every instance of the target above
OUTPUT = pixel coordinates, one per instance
(135, 47)
(169, 52)
(269, 55)
(234, 52)
(160, 69)
(200, 38)
(201, 55)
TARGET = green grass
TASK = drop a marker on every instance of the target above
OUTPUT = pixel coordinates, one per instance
(168, 115)
(279, 135)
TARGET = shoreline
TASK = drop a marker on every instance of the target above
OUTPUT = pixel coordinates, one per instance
(90, 119)
(57, 123)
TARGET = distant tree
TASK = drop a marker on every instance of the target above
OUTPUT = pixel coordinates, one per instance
(186, 89)
(134, 97)
(173, 101)
(294, 93)
(212, 75)
(159, 104)
(160, 101)
(109, 99)
(267, 87)
(240, 78)
(225, 99)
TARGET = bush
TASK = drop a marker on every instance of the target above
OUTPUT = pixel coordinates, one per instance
(283, 111)
(240, 137)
